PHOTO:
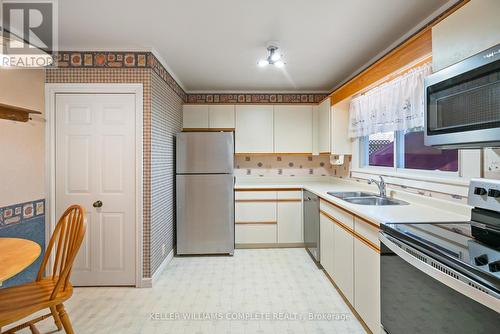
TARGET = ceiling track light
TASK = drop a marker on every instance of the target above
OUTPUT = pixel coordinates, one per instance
(273, 57)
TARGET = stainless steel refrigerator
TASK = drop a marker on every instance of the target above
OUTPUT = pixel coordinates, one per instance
(205, 193)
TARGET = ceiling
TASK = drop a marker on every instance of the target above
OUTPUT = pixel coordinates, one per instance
(215, 45)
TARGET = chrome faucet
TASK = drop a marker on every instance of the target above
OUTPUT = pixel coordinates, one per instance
(380, 184)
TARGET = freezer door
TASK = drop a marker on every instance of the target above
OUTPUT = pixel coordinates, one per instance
(205, 152)
(205, 214)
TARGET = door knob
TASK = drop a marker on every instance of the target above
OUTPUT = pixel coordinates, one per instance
(97, 204)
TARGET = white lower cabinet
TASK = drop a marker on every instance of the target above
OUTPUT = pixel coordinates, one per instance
(326, 243)
(255, 217)
(255, 233)
(269, 217)
(343, 262)
(290, 227)
(367, 285)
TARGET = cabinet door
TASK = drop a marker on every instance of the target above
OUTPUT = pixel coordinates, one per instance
(221, 116)
(254, 129)
(324, 127)
(290, 226)
(367, 285)
(293, 129)
(453, 41)
(343, 262)
(326, 242)
(341, 143)
(195, 116)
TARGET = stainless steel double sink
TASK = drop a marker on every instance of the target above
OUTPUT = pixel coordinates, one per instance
(365, 198)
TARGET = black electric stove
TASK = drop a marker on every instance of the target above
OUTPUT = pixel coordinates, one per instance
(454, 245)
(444, 277)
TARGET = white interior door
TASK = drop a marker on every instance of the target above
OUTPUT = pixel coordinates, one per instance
(95, 161)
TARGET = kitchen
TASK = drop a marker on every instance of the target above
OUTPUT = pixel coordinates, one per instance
(336, 206)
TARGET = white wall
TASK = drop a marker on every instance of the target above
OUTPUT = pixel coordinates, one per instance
(22, 144)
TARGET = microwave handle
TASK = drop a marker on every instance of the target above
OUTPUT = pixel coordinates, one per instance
(489, 299)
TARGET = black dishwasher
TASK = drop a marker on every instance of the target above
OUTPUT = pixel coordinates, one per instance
(311, 224)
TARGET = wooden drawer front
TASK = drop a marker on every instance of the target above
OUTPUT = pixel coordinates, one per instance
(343, 216)
(255, 234)
(367, 231)
(285, 195)
(254, 195)
(255, 212)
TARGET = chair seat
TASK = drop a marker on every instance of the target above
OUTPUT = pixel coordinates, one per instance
(21, 301)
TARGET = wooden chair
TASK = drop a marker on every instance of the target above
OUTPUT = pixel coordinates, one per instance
(51, 291)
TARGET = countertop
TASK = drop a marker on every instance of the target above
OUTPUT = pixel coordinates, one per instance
(420, 209)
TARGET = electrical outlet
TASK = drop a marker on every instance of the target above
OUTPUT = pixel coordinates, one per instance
(163, 249)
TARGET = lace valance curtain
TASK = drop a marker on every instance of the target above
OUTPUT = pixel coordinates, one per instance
(393, 106)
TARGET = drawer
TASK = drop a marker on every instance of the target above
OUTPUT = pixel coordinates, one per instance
(254, 195)
(255, 233)
(367, 231)
(255, 212)
(343, 216)
(293, 194)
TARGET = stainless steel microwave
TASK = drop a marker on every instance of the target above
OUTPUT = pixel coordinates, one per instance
(462, 103)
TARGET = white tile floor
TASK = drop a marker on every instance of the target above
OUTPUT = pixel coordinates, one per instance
(259, 283)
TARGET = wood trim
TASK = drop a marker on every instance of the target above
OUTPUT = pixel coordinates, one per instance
(352, 232)
(208, 130)
(238, 154)
(364, 220)
(416, 47)
(14, 113)
(267, 200)
(269, 245)
(268, 189)
(257, 223)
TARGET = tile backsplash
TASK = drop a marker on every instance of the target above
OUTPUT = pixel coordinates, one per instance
(266, 165)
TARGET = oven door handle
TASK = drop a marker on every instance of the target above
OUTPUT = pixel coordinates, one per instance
(479, 296)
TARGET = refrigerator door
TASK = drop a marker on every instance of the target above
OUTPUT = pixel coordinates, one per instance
(205, 214)
(205, 152)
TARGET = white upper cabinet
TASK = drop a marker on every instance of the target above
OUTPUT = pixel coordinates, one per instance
(471, 29)
(254, 131)
(293, 127)
(341, 143)
(195, 116)
(324, 123)
(221, 116)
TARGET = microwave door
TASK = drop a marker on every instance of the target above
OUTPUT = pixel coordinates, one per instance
(462, 103)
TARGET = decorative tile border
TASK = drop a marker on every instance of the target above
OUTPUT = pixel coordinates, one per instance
(288, 166)
(255, 98)
(22, 212)
(113, 59)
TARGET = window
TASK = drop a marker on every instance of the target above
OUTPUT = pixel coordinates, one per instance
(419, 156)
(406, 150)
(381, 149)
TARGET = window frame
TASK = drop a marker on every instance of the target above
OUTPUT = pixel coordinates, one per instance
(398, 163)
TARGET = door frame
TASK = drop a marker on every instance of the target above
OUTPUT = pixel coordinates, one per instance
(51, 90)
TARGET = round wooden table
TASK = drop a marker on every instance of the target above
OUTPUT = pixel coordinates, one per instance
(16, 255)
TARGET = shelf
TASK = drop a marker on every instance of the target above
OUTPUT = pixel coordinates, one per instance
(17, 114)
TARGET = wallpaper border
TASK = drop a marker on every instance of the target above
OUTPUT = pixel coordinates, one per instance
(146, 59)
